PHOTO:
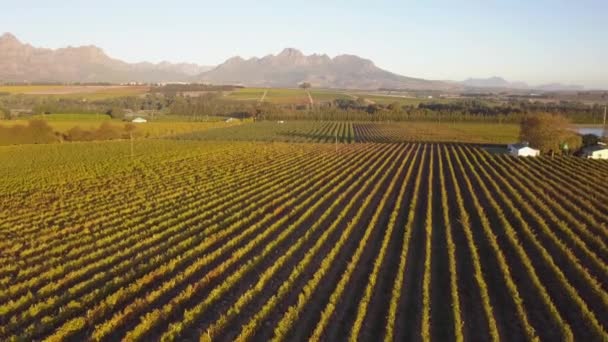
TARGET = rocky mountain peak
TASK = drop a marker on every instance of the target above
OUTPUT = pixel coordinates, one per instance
(291, 67)
(290, 53)
(8, 37)
(21, 61)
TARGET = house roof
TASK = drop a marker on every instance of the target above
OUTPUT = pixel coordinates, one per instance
(519, 146)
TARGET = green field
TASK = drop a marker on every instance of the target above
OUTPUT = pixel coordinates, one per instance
(245, 94)
(286, 96)
(320, 95)
(75, 91)
(85, 118)
(388, 99)
(298, 96)
(273, 95)
(277, 96)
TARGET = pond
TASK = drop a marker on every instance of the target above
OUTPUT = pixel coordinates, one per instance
(590, 130)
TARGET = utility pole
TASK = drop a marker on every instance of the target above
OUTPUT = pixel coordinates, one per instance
(131, 137)
(336, 141)
(605, 127)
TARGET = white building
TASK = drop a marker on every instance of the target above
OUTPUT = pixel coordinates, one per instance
(599, 151)
(139, 120)
(523, 150)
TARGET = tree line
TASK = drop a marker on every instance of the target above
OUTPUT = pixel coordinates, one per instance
(40, 132)
(174, 100)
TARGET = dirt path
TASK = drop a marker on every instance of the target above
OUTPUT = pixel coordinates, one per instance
(263, 96)
(310, 100)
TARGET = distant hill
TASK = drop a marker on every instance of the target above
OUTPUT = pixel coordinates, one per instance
(21, 62)
(559, 87)
(493, 82)
(496, 82)
(291, 67)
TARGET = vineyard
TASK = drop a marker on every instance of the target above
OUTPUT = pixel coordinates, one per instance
(357, 132)
(260, 241)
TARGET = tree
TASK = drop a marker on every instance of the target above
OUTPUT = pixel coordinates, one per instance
(116, 113)
(5, 113)
(265, 111)
(40, 132)
(107, 131)
(129, 129)
(590, 139)
(78, 134)
(549, 132)
(372, 109)
(394, 106)
(361, 101)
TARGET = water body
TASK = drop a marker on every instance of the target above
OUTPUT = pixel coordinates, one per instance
(590, 130)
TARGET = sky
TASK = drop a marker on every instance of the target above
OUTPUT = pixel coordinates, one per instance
(535, 41)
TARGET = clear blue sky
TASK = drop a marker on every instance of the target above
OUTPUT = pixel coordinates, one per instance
(537, 41)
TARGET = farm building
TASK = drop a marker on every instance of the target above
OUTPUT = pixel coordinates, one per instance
(599, 151)
(229, 120)
(523, 150)
(139, 120)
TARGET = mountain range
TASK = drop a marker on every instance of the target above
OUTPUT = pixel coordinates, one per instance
(21, 62)
(291, 67)
(496, 82)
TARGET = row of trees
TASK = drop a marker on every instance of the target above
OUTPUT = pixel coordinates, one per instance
(40, 132)
(174, 100)
(35, 132)
(576, 111)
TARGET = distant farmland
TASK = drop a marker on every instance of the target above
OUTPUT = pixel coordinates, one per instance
(157, 129)
(76, 91)
(279, 96)
(271, 241)
(273, 95)
(298, 96)
(358, 132)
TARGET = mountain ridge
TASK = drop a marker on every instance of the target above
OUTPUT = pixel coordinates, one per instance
(496, 82)
(22, 62)
(291, 67)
